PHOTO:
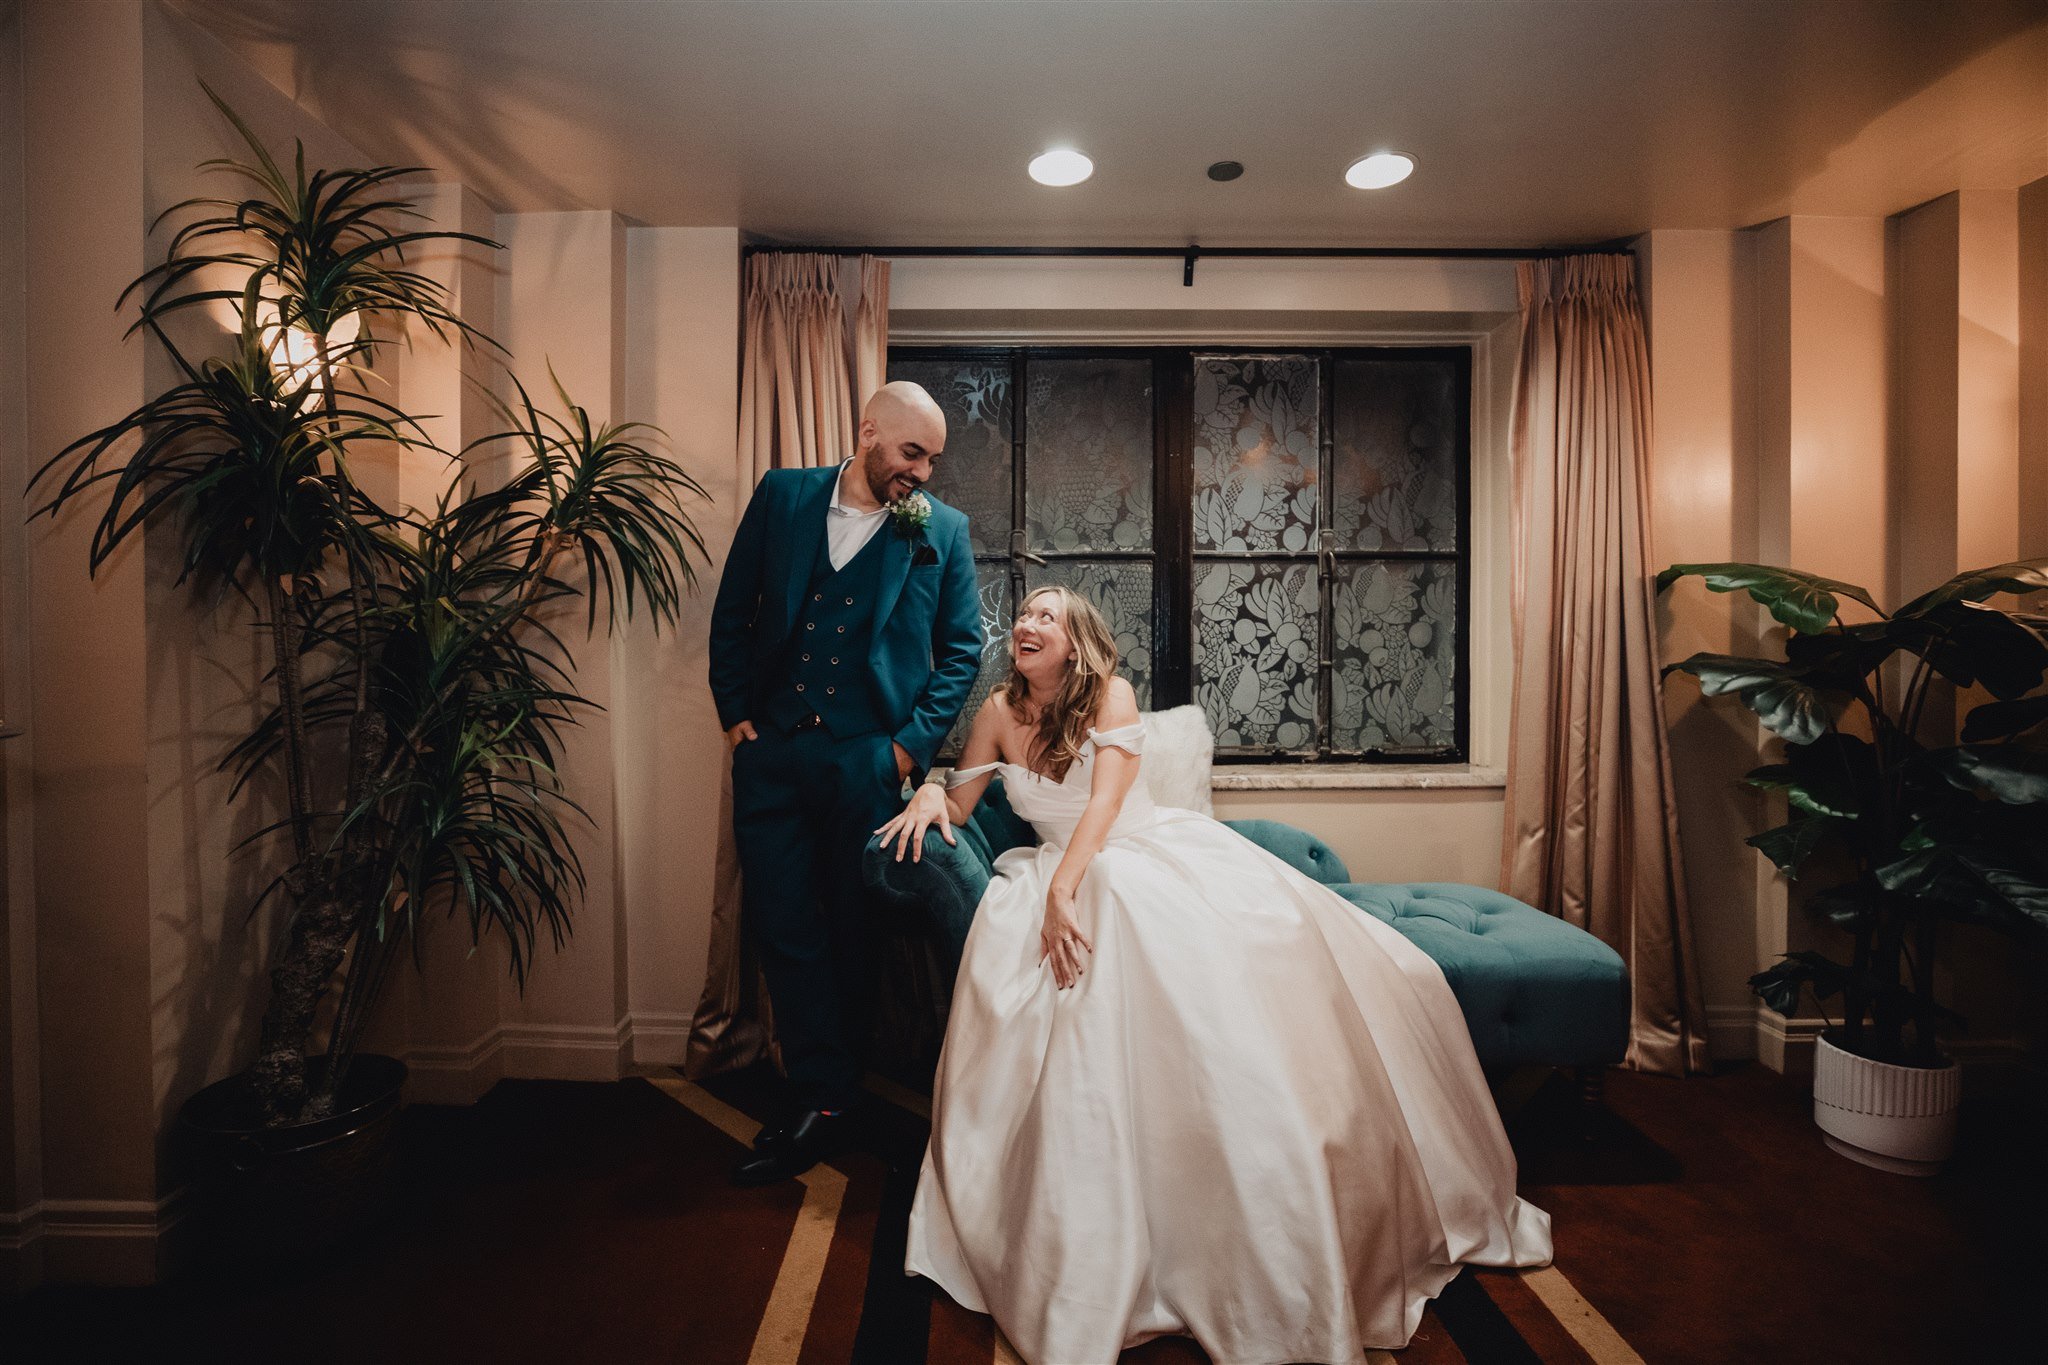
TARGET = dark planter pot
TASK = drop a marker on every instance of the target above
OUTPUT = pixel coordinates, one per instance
(275, 1197)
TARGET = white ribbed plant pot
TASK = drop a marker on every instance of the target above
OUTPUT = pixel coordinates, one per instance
(1896, 1118)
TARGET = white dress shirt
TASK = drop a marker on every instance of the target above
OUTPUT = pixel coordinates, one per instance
(847, 529)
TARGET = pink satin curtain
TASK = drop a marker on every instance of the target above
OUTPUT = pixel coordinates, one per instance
(814, 348)
(1591, 827)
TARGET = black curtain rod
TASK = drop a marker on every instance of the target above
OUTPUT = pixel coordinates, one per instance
(1484, 253)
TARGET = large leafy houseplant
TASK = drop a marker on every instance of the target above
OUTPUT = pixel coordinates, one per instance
(419, 684)
(1917, 822)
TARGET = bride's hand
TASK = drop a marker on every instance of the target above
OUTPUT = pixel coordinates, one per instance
(1061, 939)
(927, 808)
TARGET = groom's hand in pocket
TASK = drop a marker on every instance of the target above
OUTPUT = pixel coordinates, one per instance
(743, 731)
(904, 762)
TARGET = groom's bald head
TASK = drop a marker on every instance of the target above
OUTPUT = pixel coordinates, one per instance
(904, 411)
(901, 431)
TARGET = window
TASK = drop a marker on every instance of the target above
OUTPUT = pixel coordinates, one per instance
(1280, 537)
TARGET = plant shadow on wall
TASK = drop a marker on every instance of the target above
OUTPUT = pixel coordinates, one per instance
(1926, 826)
(419, 677)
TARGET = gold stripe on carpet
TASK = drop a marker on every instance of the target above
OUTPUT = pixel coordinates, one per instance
(902, 1096)
(780, 1337)
(1594, 1333)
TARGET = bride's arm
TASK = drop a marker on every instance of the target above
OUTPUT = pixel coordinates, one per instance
(946, 807)
(1115, 771)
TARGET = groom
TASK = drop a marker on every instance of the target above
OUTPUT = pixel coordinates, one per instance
(844, 639)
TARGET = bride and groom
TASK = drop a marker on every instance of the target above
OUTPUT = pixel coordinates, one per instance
(1184, 1088)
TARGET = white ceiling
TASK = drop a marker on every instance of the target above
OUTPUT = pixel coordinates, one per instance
(908, 122)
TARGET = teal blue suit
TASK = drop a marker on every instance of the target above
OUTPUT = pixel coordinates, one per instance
(830, 665)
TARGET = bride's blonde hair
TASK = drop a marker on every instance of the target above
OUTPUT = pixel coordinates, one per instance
(1064, 717)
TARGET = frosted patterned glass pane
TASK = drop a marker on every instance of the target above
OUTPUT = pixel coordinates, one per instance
(1088, 455)
(1395, 652)
(1258, 422)
(993, 579)
(974, 473)
(1395, 446)
(1255, 652)
(1122, 592)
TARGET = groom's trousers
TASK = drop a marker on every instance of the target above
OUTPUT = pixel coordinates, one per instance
(804, 806)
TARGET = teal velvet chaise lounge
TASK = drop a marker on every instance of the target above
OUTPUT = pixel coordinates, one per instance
(1535, 990)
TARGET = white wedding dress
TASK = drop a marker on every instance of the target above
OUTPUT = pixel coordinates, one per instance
(1257, 1119)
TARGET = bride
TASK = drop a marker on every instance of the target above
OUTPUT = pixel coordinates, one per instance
(1184, 1088)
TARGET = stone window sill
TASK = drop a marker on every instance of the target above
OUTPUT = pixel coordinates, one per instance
(1246, 777)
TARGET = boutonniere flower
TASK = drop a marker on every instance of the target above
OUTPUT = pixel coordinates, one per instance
(911, 513)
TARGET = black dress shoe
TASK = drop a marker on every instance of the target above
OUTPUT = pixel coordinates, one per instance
(795, 1147)
(775, 1135)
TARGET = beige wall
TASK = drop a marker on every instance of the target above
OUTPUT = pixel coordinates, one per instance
(20, 1098)
(1698, 292)
(561, 306)
(2032, 247)
(682, 375)
(87, 717)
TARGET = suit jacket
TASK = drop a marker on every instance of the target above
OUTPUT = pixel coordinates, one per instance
(927, 638)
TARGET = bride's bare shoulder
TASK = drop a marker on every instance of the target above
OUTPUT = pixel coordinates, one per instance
(1119, 705)
(994, 722)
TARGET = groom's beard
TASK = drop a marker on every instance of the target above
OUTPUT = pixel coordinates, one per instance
(884, 486)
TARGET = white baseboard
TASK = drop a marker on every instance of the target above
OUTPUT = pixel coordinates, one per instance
(564, 1052)
(21, 1250)
(453, 1075)
(109, 1242)
(660, 1037)
(548, 1052)
(1731, 1033)
(1786, 1045)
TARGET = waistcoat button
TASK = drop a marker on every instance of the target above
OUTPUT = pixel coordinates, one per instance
(842, 630)
(849, 601)
(799, 687)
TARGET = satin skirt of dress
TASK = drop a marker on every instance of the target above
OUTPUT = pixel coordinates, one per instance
(1257, 1119)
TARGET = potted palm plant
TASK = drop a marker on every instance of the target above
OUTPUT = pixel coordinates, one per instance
(1914, 823)
(418, 681)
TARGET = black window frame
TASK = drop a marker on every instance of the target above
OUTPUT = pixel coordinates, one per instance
(1173, 557)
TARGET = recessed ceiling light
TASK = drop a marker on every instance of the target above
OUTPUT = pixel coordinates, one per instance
(1061, 166)
(1379, 170)
(1226, 170)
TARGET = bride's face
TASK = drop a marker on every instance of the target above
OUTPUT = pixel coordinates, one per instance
(1039, 643)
